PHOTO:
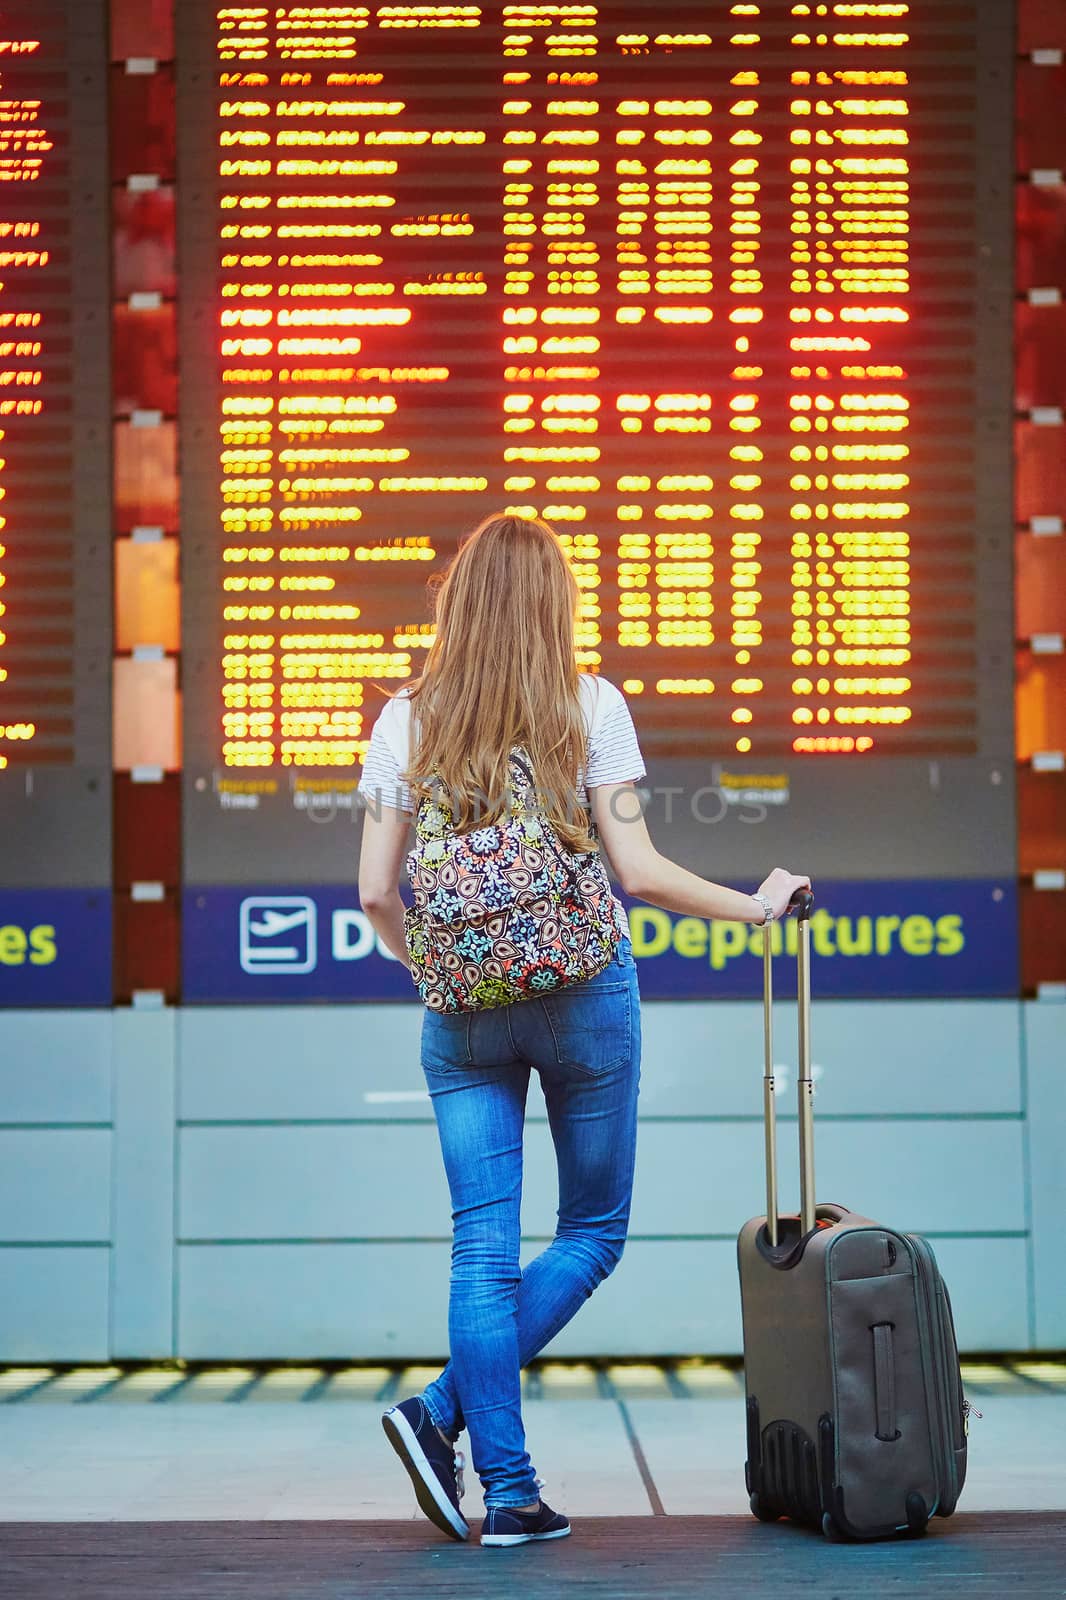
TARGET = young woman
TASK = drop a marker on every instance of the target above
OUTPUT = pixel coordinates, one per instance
(501, 676)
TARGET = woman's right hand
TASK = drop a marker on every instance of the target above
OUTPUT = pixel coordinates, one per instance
(780, 886)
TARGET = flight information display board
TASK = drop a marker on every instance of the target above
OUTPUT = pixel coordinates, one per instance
(55, 449)
(720, 290)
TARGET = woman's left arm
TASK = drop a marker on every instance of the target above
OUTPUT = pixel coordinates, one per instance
(385, 831)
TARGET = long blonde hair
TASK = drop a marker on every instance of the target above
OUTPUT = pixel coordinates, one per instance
(502, 671)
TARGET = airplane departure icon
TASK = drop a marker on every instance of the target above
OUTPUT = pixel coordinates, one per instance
(278, 934)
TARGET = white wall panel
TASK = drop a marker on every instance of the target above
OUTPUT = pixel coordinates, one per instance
(54, 1304)
(674, 1297)
(55, 1185)
(874, 1057)
(378, 1301)
(339, 1301)
(367, 1182)
(987, 1280)
(55, 1066)
(284, 1062)
(357, 1182)
(701, 1177)
(300, 1062)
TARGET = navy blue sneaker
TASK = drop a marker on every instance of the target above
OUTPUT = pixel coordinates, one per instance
(436, 1469)
(503, 1525)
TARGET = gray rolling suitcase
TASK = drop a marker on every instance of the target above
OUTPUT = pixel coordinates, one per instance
(856, 1420)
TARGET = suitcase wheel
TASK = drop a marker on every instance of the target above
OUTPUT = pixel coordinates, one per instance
(830, 1529)
(763, 1513)
(917, 1516)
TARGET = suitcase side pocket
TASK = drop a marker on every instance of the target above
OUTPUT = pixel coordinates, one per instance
(885, 1469)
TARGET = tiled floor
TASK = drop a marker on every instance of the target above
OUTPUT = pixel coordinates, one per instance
(285, 1443)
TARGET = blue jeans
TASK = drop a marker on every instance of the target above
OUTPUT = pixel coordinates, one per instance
(584, 1041)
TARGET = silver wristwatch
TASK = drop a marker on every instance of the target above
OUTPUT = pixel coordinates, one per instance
(768, 909)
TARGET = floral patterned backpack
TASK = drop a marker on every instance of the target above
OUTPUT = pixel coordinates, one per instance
(505, 912)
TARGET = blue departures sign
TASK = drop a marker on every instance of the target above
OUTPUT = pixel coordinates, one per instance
(910, 938)
(905, 939)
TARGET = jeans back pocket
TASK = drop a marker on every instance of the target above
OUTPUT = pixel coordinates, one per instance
(446, 1041)
(592, 1027)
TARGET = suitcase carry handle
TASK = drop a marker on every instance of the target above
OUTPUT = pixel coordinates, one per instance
(802, 902)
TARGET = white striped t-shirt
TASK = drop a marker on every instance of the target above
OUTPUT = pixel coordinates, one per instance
(613, 754)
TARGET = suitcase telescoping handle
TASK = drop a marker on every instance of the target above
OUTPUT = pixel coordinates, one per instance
(803, 902)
